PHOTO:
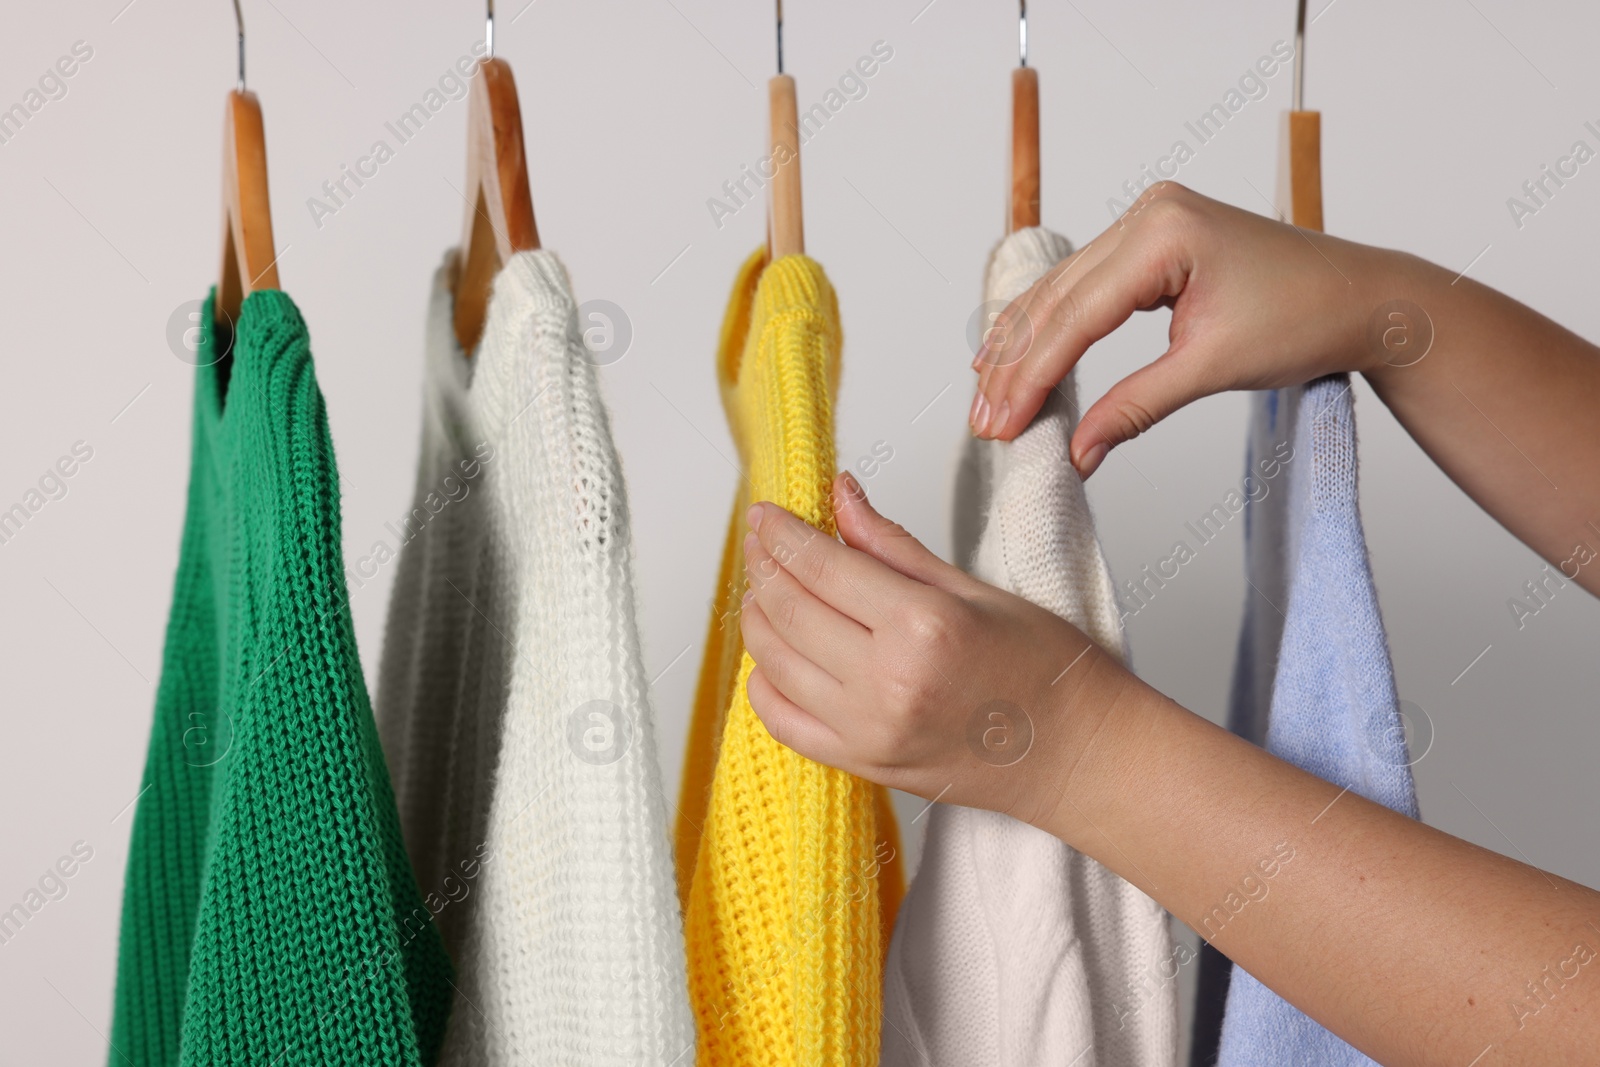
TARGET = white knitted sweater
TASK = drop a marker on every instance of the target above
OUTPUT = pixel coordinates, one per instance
(1011, 949)
(513, 705)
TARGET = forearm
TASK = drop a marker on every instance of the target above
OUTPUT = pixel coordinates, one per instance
(1505, 402)
(1362, 918)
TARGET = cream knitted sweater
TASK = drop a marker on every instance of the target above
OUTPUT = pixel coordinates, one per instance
(513, 705)
(1011, 949)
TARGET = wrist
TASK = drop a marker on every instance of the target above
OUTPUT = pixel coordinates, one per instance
(1104, 719)
(1399, 298)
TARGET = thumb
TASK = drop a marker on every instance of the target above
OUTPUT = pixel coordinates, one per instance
(1135, 404)
(887, 542)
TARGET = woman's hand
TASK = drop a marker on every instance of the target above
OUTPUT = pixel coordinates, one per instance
(877, 657)
(1256, 304)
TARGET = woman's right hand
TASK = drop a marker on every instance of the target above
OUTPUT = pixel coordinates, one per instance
(1256, 304)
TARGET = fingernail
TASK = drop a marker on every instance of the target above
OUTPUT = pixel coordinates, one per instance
(853, 487)
(972, 415)
(977, 360)
(1091, 460)
(1001, 416)
(753, 516)
(752, 544)
(981, 423)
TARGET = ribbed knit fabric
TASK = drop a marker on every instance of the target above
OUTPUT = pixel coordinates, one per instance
(796, 872)
(1313, 678)
(270, 915)
(1013, 949)
(514, 705)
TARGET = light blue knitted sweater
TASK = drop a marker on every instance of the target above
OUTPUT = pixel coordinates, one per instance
(1313, 680)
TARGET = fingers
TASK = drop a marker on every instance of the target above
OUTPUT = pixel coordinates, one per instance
(796, 677)
(844, 579)
(1016, 327)
(791, 725)
(888, 542)
(1137, 403)
(1139, 274)
(812, 628)
(1144, 262)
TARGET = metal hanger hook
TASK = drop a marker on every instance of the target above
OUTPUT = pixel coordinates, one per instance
(780, 36)
(238, 17)
(1022, 32)
(488, 30)
(1299, 52)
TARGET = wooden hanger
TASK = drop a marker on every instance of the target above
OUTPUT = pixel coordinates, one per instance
(1305, 143)
(785, 219)
(499, 213)
(1024, 135)
(249, 261)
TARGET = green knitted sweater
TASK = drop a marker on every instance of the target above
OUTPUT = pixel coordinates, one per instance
(270, 915)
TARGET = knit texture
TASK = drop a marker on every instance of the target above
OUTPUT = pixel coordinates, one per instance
(270, 915)
(514, 705)
(1314, 630)
(796, 876)
(1013, 949)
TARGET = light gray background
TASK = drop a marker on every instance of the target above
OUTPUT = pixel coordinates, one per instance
(635, 113)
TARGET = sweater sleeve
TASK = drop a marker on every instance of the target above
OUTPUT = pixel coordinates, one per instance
(309, 941)
(535, 801)
(1012, 948)
(793, 882)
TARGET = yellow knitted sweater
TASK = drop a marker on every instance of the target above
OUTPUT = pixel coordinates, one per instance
(790, 871)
